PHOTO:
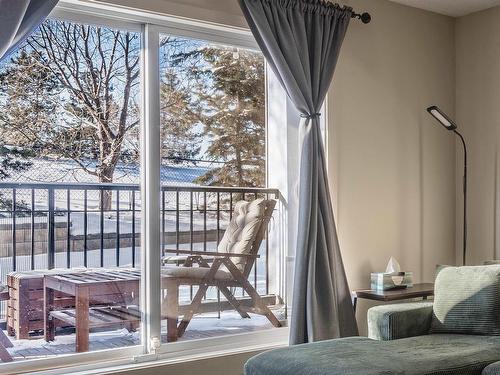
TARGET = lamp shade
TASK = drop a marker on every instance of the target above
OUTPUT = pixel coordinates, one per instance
(442, 118)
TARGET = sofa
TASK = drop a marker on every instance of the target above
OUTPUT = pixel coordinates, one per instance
(457, 333)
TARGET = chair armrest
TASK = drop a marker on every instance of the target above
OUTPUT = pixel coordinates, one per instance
(493, 369)
(397, 321)
(211, 254)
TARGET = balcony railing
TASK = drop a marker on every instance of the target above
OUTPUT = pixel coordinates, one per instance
(67, 225)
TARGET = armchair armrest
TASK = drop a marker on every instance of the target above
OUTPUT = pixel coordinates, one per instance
(397, 321)
(211, 254)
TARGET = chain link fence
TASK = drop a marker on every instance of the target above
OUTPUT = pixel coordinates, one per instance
(173, 172)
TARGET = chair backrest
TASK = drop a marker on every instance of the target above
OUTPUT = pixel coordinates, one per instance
(467, 300)
(246, 231)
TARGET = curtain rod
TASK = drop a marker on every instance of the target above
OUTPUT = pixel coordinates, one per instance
(364, 17)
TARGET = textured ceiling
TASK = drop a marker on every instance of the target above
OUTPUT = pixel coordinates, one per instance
(455, 8)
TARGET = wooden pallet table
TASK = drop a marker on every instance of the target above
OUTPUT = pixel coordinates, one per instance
(118, 289)
(25, 304)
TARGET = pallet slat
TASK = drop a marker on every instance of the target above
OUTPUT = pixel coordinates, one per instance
(101, 317)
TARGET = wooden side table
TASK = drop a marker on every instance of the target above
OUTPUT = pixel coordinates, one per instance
(117, 286)
(423, 291)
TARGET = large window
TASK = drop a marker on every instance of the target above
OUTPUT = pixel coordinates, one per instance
(213, 120)
(70, 204)
(125, 149)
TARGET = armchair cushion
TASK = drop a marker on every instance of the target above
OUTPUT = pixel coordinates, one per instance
(242, 230)
(193, 273)
(467, 300)
(397, 321)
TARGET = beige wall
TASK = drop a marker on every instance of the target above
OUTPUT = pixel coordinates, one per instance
(391, 166)
(478, 116)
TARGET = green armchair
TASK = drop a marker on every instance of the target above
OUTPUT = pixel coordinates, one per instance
(457, 333)
(399, 321)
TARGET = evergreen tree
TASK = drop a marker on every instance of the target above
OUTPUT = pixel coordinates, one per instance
(233, 98)
(26, 92)
(179, 116)
(29, 94)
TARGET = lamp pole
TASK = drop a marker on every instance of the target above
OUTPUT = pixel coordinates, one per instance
(464, 240)
(448, 123)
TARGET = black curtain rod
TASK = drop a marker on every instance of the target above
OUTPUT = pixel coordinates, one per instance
(364, 17)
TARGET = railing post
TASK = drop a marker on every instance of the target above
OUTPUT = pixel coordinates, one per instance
(51, 240)
(14, 249)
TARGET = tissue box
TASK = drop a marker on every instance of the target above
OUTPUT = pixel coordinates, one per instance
(394, 280)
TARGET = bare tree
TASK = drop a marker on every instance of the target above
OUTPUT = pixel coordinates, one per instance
(98, 68)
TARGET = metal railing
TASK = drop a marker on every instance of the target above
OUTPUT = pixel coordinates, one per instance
(66, 225)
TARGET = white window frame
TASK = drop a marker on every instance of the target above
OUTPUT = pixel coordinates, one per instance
(151, 25)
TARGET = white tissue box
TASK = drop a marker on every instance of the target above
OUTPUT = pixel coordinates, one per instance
(393, 280)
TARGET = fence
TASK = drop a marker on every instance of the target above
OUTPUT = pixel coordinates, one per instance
(50, 225)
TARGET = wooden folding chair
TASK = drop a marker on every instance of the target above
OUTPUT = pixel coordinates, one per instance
(4, 340)
(222, 269)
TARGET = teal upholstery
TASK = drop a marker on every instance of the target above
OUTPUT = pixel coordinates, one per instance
(398, 321)
(467, 300)
(440, 354)
(408, 338)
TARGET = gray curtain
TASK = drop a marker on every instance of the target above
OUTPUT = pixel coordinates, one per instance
(301, 41)
(18, 19)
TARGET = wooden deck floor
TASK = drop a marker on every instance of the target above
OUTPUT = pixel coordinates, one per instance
(202, 326)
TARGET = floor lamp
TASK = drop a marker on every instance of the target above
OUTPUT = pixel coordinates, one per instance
(444, 120)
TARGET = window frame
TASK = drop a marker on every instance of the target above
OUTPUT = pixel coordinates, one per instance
(151, 25)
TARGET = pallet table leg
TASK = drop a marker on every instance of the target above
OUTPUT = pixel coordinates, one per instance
(49, 327)
(5, 343)
(172, 309)
(82, 319)
(22, 329)
(4, 354)
(4, 340)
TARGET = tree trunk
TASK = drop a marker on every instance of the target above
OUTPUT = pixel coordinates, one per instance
(106, 177)
(239, 168)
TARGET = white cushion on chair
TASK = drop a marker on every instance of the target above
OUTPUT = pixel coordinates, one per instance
(193, 272)
(242, 230)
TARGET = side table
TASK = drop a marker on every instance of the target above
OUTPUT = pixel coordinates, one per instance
(422, 290)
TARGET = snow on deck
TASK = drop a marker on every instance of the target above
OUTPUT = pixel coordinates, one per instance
(202, 326)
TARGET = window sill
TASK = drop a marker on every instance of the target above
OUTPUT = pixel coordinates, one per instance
(182, 352)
